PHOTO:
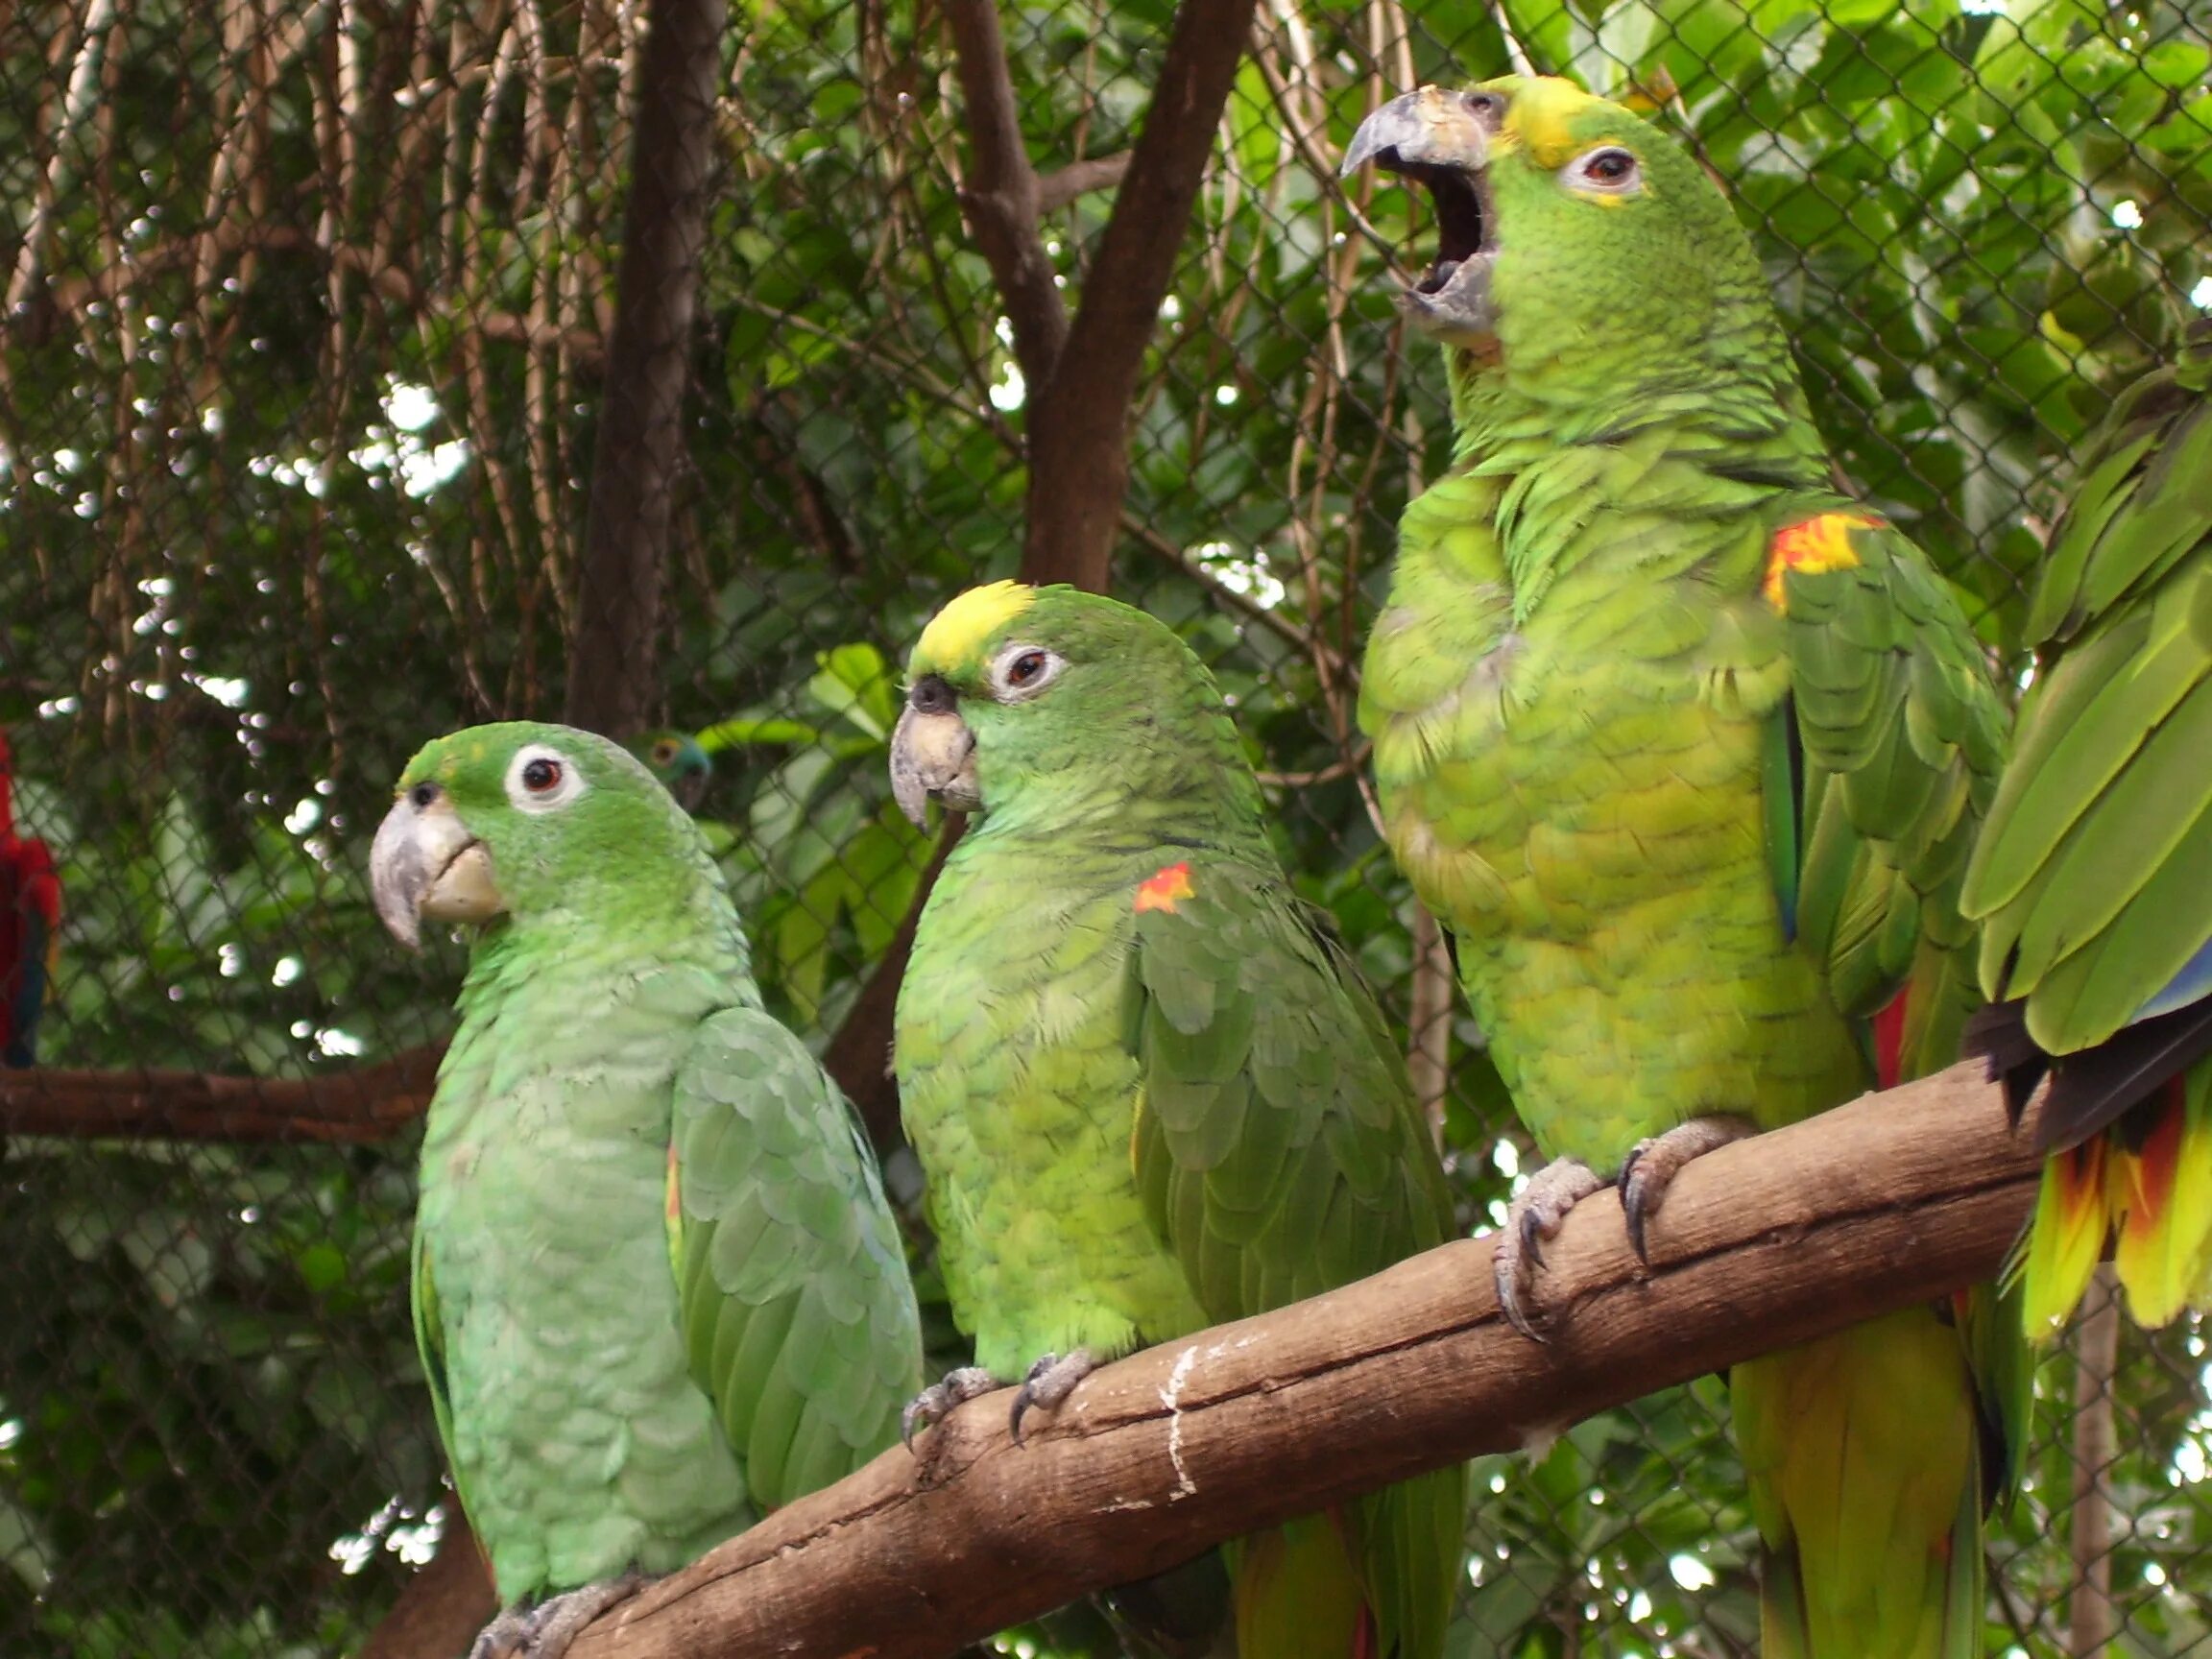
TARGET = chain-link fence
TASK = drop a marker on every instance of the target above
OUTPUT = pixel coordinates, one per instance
(309, 312)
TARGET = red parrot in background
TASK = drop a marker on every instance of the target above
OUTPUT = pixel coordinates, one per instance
(30, 927)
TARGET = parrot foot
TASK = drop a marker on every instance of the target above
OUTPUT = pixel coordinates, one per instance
(1535, 1216)
(1051, 1381)
(1651, 1168)
(934, 1404)
(547, 1630)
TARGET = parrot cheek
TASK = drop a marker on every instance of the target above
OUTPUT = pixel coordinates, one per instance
(933, 754)
(465, 890)
(424, 862)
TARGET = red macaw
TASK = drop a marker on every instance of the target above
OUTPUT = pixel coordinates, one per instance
(30, 927)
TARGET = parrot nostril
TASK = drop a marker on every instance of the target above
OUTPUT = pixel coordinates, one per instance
(423, 795)
(930, 695)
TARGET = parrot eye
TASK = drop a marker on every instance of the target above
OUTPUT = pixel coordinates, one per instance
(541, 778)
(1025, 671)
(1611, 168)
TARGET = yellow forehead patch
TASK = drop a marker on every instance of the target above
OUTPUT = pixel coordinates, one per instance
(1539, 112)
(955, 635)
(1822, 542)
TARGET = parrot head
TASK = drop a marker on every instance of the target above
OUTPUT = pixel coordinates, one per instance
(517, 822)
(1055, 704)
(678, 764)
(1565, 225)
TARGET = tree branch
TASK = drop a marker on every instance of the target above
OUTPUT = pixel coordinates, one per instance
(613, 676)
(1078, 419)
(1082, 374)
(859, 1056)
(1001, 199)
(1055, 190)
(368, 1104)
(1888, 1201)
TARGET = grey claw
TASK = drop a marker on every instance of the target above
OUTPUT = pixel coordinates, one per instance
(929, 1407)
(1505, 1274)
(1051, 1381)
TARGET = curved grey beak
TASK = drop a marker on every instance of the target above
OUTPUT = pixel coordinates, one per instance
(1432, 128)
(933, 754)
(424, 863)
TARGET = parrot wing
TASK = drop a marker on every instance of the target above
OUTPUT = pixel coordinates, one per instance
(430, 1344)
(1277, 1144)
(1878, 769)
(2093, 878)
(1281, 1153)
(1896, 741)
(792, 1282)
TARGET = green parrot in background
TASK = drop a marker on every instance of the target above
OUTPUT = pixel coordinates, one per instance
(2093, 876)
(678, 764)
(1147, 1087)
(657, 1291)
(1688, 750)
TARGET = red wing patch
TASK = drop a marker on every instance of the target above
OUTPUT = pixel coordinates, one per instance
(1821, 543)
(1160, 890)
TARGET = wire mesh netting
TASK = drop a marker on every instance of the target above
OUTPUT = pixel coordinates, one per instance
(307, 309)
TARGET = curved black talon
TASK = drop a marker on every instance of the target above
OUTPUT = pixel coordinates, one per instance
(1635, 1202)
(1051, 1381)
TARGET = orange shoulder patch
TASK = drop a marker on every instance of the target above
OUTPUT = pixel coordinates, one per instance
(1160, 890)
(1821, 543)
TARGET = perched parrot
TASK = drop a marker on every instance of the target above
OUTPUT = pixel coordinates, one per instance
(1147, 1087)
(2093, 876)
(678, 764)
(1688, 750)
(657, 1291)
(30, 927)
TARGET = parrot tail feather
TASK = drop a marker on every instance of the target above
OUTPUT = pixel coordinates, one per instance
(2161, 1198)
(2147, 1186)
(1299, 1595)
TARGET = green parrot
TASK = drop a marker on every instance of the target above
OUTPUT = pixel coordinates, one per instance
(1688, 750)
(2093, 876)
(1147, 1087)
(657, 1291)
(678, 764)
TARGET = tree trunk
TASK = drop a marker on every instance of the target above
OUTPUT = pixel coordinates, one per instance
(613, 661)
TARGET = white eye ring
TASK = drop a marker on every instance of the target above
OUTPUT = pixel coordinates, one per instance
(1021, 672)
(530, 789)
(1578, 174)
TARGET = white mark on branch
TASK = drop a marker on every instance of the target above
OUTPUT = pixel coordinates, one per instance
(1169, 1397)
(1537, 1443)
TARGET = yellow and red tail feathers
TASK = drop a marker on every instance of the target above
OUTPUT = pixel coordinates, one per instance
(2145, 1185)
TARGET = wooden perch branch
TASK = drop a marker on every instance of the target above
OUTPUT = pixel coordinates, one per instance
(1890, 1200)
(367, 1104)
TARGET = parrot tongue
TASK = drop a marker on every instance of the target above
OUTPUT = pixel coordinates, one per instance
(1463, 228)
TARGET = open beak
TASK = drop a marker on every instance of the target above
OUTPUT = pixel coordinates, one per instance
(1441, 141)
(933, 753)
(424, 864)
